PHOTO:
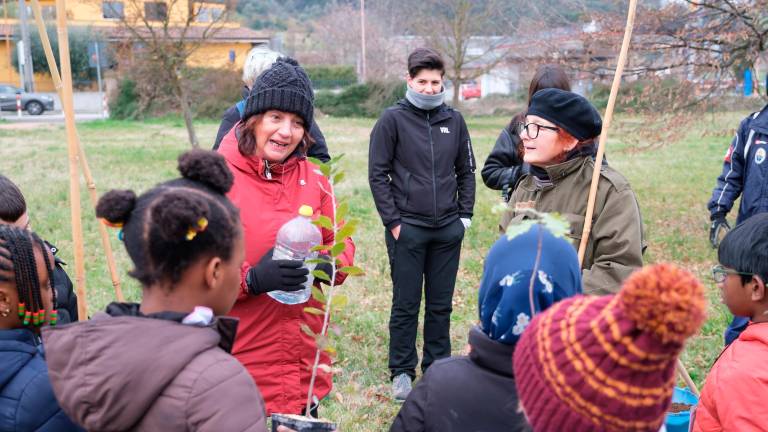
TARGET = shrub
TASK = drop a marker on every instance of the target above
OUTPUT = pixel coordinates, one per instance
(325, 77)
(213, 91)
(79, 40)
(360, 100)
(125, 103)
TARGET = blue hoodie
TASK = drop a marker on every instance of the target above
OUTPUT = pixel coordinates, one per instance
(27, 402)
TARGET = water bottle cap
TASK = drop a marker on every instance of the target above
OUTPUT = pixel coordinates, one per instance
(306, 211)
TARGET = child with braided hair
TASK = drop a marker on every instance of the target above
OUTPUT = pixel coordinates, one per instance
(164, 364)
(13, 211)
(27, 402)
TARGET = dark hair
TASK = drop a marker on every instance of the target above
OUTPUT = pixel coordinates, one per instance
(12, 203)
(17, 255)
(548, 76)
(745, 247)
(425, 58)
(171, 226)
(246, 139)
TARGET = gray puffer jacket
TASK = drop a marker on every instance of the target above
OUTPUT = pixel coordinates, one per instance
(126, 371)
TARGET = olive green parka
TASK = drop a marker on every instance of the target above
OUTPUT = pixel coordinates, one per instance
(616, 243)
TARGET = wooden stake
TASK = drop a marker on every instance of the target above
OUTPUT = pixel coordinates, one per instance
(81, 152)
(606, 125)
(601, 152)
(74, 178)
(686, 378)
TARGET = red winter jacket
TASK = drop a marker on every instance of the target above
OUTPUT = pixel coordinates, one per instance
(733, 397)
(269, 340)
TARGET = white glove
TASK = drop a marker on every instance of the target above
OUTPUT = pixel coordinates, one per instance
(467, 222)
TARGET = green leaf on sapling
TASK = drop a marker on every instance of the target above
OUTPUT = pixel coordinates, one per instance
(338, 249)
(556, 224)
(352, 270)
(314, 311)
(317, 294)
(514, 230)
(320, 274)
(320, 248)
(346, 231)
(324, 221)
(308, 331)
(339, 301)
(338, 178)
(315, 161)
(342, 210)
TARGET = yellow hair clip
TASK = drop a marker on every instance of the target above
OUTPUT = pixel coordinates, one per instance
(112, 224)
(202, 224)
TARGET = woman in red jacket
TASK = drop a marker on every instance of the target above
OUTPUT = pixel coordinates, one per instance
(266, 153)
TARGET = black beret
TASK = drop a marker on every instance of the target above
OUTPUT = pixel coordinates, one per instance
(568, 110)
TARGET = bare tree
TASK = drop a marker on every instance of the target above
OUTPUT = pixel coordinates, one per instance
(166, 33)
(709, 40)
(471, 35)
(337, 33)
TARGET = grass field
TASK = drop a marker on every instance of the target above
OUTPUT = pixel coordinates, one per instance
(672, 182)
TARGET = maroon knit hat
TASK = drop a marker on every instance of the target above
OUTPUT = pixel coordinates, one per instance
(608, 363)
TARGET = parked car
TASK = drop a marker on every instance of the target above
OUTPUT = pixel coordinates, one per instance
(32, 103)
(470, 90)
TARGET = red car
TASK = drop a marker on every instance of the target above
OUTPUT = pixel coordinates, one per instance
(470, 90)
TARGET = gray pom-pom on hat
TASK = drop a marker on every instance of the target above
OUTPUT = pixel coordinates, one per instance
(284, 87)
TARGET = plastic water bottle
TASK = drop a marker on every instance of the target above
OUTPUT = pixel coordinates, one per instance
(295, 241)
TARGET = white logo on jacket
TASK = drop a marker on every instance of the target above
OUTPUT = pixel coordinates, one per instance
(444, 130)
(760, 156)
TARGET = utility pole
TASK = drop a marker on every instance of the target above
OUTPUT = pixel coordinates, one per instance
(26, 66)
(362, 37)
(7, 41)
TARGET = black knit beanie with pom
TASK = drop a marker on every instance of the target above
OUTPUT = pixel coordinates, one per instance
(284, 87)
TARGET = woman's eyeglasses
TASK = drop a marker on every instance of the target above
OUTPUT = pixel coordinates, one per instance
(532, 129)
(719, 273)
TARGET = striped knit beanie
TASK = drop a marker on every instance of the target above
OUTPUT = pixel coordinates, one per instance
(608, 363)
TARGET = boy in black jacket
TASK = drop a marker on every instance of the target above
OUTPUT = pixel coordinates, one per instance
(421, 170)
(13, 211)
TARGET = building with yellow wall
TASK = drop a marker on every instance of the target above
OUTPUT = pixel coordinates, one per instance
(222, 43)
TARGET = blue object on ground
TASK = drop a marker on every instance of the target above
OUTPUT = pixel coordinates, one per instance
(678, 422)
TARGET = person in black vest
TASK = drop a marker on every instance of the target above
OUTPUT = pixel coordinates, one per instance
(478, 392)
(421, 171)
(13, 211)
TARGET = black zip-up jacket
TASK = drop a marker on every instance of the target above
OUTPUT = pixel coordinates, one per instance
(504, 165)
(421, 167)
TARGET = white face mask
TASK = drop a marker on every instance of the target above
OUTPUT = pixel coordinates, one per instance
(424, 101)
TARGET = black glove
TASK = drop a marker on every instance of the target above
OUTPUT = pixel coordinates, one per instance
(325, 266)
(718, 225)
(276, 275)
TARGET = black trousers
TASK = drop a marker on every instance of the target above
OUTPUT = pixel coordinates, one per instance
(428, 257)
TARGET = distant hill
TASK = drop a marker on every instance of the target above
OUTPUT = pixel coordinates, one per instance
(278, 14)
